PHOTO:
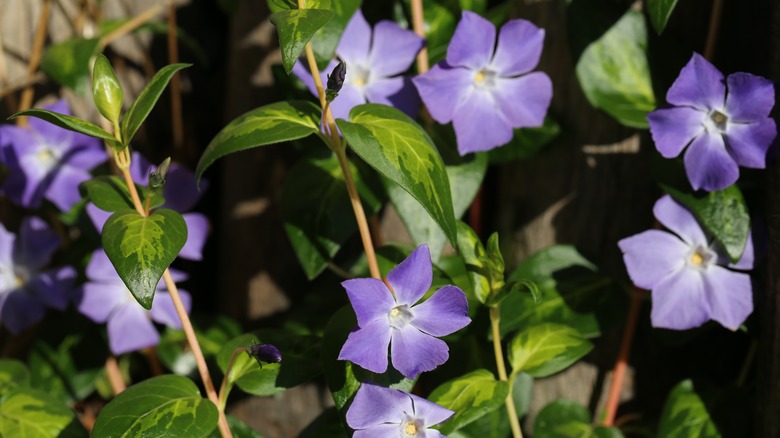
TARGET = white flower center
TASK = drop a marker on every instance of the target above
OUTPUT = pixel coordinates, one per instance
(716, 122)
(484, 78)
(700, 257)
(400, 316)
(12, 277)
(358, 76)
(412, 427)
(47, 157)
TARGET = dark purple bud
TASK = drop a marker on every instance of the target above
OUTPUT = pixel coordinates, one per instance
(337, 76)
(265, 353)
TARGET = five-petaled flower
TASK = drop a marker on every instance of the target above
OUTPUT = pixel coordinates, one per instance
(374, 62)
(26, 290)
(723, 129)
(105, 298)
(410, 329)
(487, 89)
(687, 272)
(385, 412)
(46, 161)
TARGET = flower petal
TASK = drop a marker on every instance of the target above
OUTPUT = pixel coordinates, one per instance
(699, 85)
(101, 269)
(7, 244)
(379, 431)
(97, 216)
(98, 300)
(680, 301)
(180, 192)
(398, 92)
(412, 277)
(355, 41)
(370, 299)
(747, 260)
(750, 97)
(679, 220)
(748, 143)
(730, 296)
(367, 346)
(413, 352)
(129, 329)
(20, 310)
(197, 232)
(350, 96)
(164, 312)
(374, 405)
(652, 255)
(54, 287)
(393, 49)
(430, 411)
(473, 42)
(37, 242)
(433, 433)
(709, 165)
(63, 190)
(674, 128)
(519, 48)
(445, 312)
(86, 155)
(524, 100)
(478, 124)
(443, 88)
(302, 72)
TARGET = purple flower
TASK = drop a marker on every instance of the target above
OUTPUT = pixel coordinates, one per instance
(180, 193)
(385, 412)
(687, 273)
(105, 298)
(722, 130)
(25, 289)
(487, 89)
(373, 65)
(46, 161)
(409, 329)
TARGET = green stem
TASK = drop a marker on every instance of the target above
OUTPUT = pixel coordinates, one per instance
(495, 318)
(227, 384)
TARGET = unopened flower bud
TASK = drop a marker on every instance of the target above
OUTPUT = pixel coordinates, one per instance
(157, 178)
(265, 353)
(106, 90)
(336, 81)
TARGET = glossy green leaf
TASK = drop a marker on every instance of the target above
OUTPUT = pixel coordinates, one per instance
(109, 193)
(516, 287)
(660, 11)
(300, 362)
(572, 293)
(13, 373)
(526, 142)
(67, 62)
(723, 214)
(327, 38)
(398, 148)
(27, 412)
(465, 177)
(286, 5)
(269, 124)
(471, 396)
(106, 91)
(67, 122)
(295, 28)
(566, 419)
(167, 405)
(685, 414)
(317, 212)
(142, 248)
(546, 349)
(614, 74)
(146, 101)
(474, 256)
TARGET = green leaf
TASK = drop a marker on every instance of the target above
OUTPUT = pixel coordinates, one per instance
(67, 122)
(327, 38)
(393, 144)
(106, 91)
(13, 373)
(471, 396)
(295, 28)
(685, 414)
(62, 369)
(723, 214)
(269, 124)
(465, 179)
(317, 212)
(660, 11)
(546, 349)
(142, 248)
(474, 256)
(238, 428)
(573, 293)
(300, 362)
(515, 287)
(27, 412)
(166, 405)
(109, 193)
(614, 74)
(526, 142)
(567, 419)
(146, 100)
(68, 62)
(286, 5)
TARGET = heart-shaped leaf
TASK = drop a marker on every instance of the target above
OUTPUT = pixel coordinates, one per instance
(685, 414)
(295, 28)
(109, 193)
(27, 412)
(546, 349)
(471, 396)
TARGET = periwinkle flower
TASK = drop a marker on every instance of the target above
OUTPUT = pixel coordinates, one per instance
(45, 161)
(105, 298)
(385, 412)
(25, 288)
(723, 124)
(375, 60)
(180, 193)
(410, 329)
(487, 88)
(689, 275)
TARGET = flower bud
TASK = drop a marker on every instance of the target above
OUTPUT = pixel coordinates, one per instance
(106, 90)
(265, 353)
(157, 178)
(336, 81)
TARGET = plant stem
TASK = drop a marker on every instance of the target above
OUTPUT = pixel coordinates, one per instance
(418, 23)
(224, 389)
(514, 422)
(712, 33)
(173, 58)
(35, 59)
(114, 375)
